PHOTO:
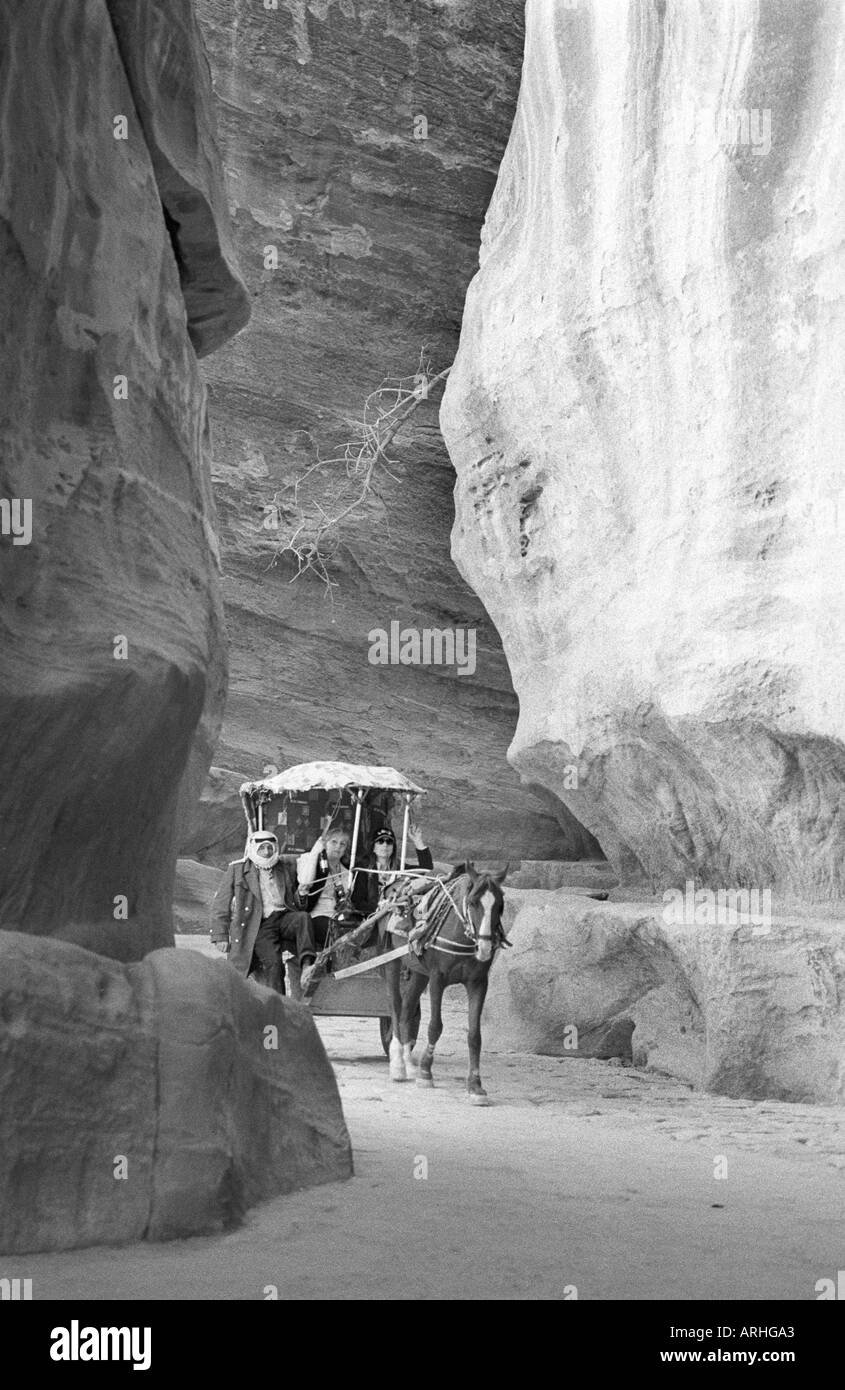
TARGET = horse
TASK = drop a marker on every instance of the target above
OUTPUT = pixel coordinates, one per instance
(463, 946)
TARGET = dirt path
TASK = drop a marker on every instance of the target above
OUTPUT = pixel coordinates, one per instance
(581, 1173)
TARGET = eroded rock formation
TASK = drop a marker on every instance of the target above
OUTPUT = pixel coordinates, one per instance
(375, 233)
(154, 1100)
(114, 267)
(646, 417)
(741, 1011)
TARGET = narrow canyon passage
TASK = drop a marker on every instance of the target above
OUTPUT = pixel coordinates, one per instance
(421, 531)
(580, 1173)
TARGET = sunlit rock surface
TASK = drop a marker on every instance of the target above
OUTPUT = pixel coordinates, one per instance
(376, 235)
(750, 1009)
(152, 1101)
(113, 669)
(646, 417)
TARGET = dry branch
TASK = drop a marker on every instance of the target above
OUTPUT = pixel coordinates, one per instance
(311, 530)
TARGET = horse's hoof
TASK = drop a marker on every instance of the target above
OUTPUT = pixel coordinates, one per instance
(479, 1098)
(424, 1081)
(398, 1076)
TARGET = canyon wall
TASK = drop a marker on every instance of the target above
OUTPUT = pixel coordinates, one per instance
(361, 143)
(116, 270)
(646, 418)
(138, 1100)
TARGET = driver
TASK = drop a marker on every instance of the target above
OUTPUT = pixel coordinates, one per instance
(254, 917)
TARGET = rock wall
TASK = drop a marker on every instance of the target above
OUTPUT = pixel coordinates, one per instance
(152, 1101)
(646, 418)
(375, 233)
(736, 1010)
(116, 271)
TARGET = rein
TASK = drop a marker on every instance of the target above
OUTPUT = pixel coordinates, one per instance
(456, 948)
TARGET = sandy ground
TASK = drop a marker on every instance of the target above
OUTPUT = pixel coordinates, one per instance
(579, 1173)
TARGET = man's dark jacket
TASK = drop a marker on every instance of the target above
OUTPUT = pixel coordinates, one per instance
(237, 907)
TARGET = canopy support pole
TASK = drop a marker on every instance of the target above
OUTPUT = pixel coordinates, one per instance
(405, 819)
(359, 798)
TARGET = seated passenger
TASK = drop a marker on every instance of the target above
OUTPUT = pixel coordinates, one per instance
(385, 860)
(254, 915)
(325, 881)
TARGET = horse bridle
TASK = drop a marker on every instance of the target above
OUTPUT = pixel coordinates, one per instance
(453, 948)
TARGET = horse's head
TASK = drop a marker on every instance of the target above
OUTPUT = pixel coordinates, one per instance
(484, 903)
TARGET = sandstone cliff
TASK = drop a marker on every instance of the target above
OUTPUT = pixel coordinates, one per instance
(375, 233)
(646, 418)
(115, 267)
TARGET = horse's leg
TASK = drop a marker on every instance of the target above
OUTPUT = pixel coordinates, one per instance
(476, 994)
(415, 1021)
(411, 995)
(394, 997)
(435, 1027)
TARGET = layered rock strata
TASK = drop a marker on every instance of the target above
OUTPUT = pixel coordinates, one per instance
(361, 144)
(646, 417)
(114, 267)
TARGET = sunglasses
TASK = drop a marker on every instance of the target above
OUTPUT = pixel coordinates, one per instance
(384, 840)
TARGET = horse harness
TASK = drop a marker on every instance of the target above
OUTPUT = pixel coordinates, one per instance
(431, 913)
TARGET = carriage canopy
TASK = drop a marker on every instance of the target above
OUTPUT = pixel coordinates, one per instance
(305, 777)
(359, 797)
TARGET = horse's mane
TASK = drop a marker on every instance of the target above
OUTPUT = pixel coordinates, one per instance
(467, 869)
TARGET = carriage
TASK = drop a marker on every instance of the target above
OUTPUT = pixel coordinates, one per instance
(301, 803)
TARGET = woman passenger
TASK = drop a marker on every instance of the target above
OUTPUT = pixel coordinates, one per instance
(385, 862)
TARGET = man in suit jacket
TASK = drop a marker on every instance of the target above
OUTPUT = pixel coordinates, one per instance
(255, 915)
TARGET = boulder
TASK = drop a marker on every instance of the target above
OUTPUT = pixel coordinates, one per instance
(645, 416)
(739, 1009)
(113, 672)
(152, 1101)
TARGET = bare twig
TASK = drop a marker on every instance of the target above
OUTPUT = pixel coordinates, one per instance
(310, 532)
